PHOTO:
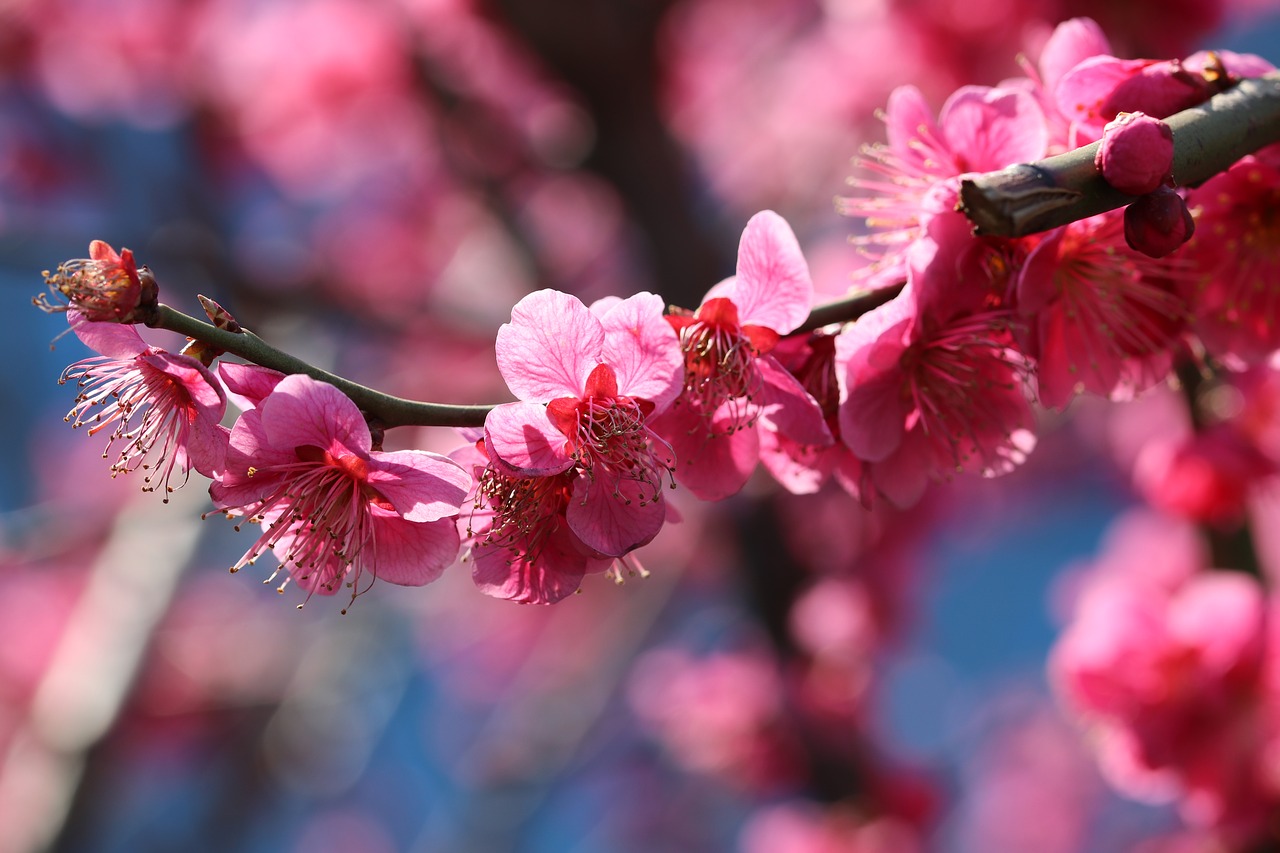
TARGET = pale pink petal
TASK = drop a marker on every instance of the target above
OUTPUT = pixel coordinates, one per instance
(614, 516)
(1237, 64)
(413, 554)
(907, 116)
(206, 449)
(523, 437)
(988, 129)
(772, 288)
(789, 409)
(550, 347)
(868, 336)
(248, 384)
(1083, 91)
(114, 340)
(1072, 42)
(643, 349)
(1222, 615)
(421, 485)
(302, 412)
(800, 469)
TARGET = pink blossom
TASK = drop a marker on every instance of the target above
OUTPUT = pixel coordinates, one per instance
(930, 382)
(1233, 294)
(732, 384)
(589, 380)
(302, 465)
(1206, 477)
(165, 407)
(978, 129)
(106, 287)
(522, 546)
(1102, 317)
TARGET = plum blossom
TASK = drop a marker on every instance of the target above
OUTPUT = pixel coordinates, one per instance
(106, 287)
(931, 383)
(302, 465)
(978, 129)
(1101, 317)
(1136, 154)
(165, 407)
(733, 386)
(579, 440)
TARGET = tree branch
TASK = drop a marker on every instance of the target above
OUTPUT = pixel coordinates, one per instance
(1208, 138)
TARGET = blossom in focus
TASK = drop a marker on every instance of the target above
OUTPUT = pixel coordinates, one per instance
(164, 408)
(1101, 317)
(301, 464)
(589, 380)
(106, 287)
(931, 383)
(522, 546)
(732, 384)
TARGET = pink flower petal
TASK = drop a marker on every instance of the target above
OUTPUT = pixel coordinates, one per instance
(989, 129)
(114, 340)
(907, 117)
(873, 416)
(788, 408)
(773, 287)
(551, 345)
(248, 384)
(614, 515)
(522, 437)
(413, 554)
(553, 573)
(421, 485)
(1072, 42)
(643, 349)
(712, 467)
(303, 412)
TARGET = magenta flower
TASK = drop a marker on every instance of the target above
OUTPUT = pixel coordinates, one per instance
(931, 383)
(589, 380)
(1102, 318)
(105, 287)
(165, 407)
(523, 548)
(731, 382)
(979, 129)
(302, 465)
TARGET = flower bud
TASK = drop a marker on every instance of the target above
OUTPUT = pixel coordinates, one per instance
(105, 287)
(1158, 223)
(1136, 154)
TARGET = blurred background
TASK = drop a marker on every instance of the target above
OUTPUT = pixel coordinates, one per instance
(371, 185)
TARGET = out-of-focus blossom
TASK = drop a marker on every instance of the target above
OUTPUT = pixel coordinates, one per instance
(1158, 223)
(302, 465)
(164, 408)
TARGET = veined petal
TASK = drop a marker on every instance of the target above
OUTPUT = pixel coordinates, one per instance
(873, 416)
(643, 349)
(413, 554)
(788, 408)
(989, 129)
(196, 380)
(114, 340)
(554, 572)
(248, 448)
(524, 439)
(614, 516)
(248, 384)
(713, 464)
(302, 411)
(772, 286)
(550, 346)
(421, 485)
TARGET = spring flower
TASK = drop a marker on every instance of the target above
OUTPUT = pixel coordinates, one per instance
(301, 464)
(164, 407)
(1136, 154)
(1102, 317)
(105, 287)
(588, 381)
(732, 385)
(523, 548)
(931, 383)
(978, 129)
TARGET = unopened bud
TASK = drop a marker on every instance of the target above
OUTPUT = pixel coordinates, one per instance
(1158, 223)
(1136, 154)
